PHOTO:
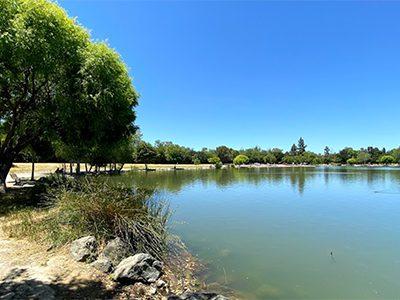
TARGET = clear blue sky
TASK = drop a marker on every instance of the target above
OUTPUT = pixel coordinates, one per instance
(243, 74)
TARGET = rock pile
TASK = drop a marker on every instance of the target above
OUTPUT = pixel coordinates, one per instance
(127, 267)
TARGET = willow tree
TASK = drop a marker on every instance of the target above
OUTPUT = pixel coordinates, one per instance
(54, 81)
(102, 120)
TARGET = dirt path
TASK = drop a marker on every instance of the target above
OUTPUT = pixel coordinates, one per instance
(31, 271)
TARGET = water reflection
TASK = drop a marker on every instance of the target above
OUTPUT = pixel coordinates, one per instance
(297, 177)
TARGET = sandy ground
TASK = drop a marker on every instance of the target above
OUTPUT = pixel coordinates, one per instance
(30, 269)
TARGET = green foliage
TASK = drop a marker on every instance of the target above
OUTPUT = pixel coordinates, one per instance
(176, 154)
(225, 154)
(203, 155)
(196, 161)
(396, 154)
(145, 153)
(168, 152)
(241, 159)
(352, 161)
(291, 159)
(327, 158)
(56, 83)
(293, 150)
(255, 154)
(102, 122)
(363, 157)
(216, 161)
(39, 59)
(346, 153)
(387, 159)
(301, 146)
(278, 153)
(375, 153)
(327, 151)
(270, 158)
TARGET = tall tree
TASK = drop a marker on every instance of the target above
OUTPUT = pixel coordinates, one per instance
(301, 146)
(278, 153)
(293, 150)
(225, 154)
(144, 152)
(46, 86)
(327, 151)
(346, 153)
(103, 118)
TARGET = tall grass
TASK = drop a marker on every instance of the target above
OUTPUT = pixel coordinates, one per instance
(93, 207)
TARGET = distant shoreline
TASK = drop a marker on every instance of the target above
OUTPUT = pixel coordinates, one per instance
(43, 169)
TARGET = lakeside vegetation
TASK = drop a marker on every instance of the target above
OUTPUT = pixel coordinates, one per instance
(142, 152)
(89, 206)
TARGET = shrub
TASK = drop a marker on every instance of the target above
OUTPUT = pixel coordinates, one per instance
(241, 159)
(387, 159)
(215, 160)
(99, 209)
(352, 161)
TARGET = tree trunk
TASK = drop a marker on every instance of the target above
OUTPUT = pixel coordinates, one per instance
(86, 170)
(33, 171)
(70, 169)
(78, 168)
(4, 169)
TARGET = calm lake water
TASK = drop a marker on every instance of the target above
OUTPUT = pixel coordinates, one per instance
(269, 233)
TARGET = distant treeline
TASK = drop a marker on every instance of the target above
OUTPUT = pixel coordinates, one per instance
(140, 151)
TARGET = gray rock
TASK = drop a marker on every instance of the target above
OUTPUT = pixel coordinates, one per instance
(116, 250)
(102, 264)
(84, 249)
(198, 296)
(141, 267)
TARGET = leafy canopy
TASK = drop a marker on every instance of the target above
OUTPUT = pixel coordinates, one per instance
(241, 160)
(55, 82)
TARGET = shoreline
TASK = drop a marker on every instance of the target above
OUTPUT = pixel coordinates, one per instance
(43, 169)
(23, 170)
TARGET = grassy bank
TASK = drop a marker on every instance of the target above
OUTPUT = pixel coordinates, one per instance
(90, 207)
